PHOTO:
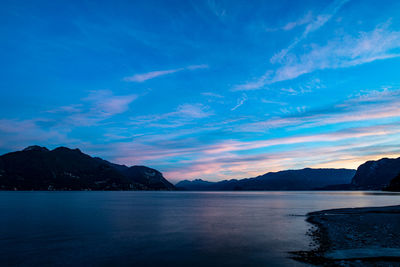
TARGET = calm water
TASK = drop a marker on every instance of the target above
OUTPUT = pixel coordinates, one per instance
(168, 228)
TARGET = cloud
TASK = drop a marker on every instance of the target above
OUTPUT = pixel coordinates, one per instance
(142, 77)
(217, 9)
(212, 94)
(184, 114)
(96, 107)
(182, 147)
(238, 158)
(250, 166)
(307, 18)
(107, 104)
(254, 85)
(371, 106)
(347, 51)
(193, 111)
(181, 154)
(349, 133)
(150, 75)
(290, 91)
(240, 102)
(343, 52)
(67, 109)
(196, 67)
(314, 25)
(17, 134)
(56, 126)
(266, 101)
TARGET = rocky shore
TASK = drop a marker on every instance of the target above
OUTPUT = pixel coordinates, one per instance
(354, 237)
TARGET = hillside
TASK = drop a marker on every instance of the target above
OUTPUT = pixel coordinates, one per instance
(376, 174)
(37, 168)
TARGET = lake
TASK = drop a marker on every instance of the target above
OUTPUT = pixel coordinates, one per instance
(164, 228)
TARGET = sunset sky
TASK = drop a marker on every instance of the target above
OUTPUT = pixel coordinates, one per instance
(203, 89)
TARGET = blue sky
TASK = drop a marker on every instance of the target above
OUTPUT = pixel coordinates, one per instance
(204, 89)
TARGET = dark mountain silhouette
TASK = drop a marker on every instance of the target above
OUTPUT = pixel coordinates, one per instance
(376, 175)
(394, 184)
(37, 168)
(196, 185)
(305, 179)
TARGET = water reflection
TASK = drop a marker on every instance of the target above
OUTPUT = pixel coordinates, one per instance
(169, 228)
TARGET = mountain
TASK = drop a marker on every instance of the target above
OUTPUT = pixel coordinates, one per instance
(37, 168)
(376, 175)
(195, 185)
(304, 179)
(394, 184)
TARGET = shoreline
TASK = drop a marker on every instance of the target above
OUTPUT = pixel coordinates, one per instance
(353, 236)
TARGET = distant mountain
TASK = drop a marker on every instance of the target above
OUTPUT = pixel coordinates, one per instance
(376, 175)
(196, 185)
(305, 179)
(37, 168)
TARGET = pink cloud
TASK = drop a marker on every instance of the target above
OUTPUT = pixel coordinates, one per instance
(372, 106)
(225, 160)
(17, 134)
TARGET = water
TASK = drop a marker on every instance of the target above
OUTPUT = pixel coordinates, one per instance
(163, 228)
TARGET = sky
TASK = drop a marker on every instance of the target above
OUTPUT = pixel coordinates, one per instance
(203, 89)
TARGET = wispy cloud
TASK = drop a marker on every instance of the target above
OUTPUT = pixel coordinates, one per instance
(254, 85)
(17, 134)
(54, 126)
(212, 94)
(183, 114)
(372, 106)
(106, 103)
(349, 133)
(193, 111)
(150, 75)
(240, 102)
(314, 25)
(307, 18)
(234, 166)
(142, 77)
(347, 51)
(217, 9)
(381, 43)
(266, 101)
(238, 158)
(303, 20)
(67, 109)
(196, 67)
(226, 159)
(97, 106)
(222, 158)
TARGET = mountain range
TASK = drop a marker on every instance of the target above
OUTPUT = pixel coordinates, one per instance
(37, 168)
(371, 175)
(304, 179)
